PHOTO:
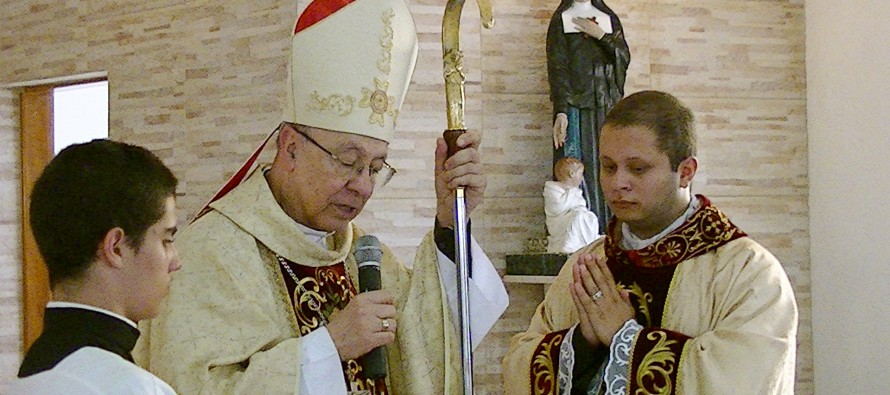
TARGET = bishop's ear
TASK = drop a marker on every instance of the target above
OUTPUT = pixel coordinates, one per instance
(287, 141)
(687, 169)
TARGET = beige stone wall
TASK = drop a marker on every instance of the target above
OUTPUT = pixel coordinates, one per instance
(200, 82)
(10, 238)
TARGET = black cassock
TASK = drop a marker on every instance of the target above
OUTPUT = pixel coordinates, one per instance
(68, 329)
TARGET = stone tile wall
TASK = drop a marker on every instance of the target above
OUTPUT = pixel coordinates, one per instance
(201, 83)
(10, 238)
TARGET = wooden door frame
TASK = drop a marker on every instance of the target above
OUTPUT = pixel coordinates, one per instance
(36, 109)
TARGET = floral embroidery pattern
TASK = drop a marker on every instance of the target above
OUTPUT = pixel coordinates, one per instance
(654, 375)
(338, 104)
(379, 102)
(376, 98)
(543, 371)
(643, 298)
(386, 42)
(317, 292)
(707, 229)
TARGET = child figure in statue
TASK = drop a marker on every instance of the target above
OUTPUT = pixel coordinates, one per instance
(570, 225)
(587, 60)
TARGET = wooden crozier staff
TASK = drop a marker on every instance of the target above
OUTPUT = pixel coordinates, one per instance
(454, 97)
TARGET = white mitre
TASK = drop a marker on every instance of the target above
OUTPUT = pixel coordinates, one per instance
(351, 64)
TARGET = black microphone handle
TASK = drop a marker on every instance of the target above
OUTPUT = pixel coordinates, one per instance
(369, 277)
(374, 362)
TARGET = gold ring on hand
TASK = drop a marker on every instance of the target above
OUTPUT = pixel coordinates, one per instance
(385, 323)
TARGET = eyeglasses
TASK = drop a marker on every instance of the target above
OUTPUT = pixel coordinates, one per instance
(350, 170)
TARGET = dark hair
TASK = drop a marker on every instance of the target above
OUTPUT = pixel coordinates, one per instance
(670, 120)
(89, 189)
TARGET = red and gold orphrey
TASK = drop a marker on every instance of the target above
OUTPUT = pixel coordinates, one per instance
(321, 291)
(647, 275)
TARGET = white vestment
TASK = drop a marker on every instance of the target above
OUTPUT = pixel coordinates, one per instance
(91, 371)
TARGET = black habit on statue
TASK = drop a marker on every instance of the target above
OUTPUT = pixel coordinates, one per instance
(586, 79)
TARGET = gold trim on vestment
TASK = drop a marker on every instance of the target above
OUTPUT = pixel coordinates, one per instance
(644, 299)
(543, 369)
(657, 364)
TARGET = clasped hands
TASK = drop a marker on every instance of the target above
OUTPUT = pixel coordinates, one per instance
(602, 307)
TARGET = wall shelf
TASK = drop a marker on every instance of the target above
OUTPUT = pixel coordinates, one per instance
(518, 279)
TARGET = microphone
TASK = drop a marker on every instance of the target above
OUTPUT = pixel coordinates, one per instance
(368, 256)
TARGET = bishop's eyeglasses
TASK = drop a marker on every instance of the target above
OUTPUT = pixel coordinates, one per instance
(348, 168)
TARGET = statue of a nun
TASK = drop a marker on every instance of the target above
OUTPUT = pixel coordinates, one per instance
(587, 59)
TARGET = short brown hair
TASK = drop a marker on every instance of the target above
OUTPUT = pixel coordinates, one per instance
(670, 120)
(564, 167)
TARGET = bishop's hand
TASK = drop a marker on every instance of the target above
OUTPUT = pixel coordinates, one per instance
(465, 169)
(359, 327)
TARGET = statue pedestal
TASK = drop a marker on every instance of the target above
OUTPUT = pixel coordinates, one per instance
(537, 264)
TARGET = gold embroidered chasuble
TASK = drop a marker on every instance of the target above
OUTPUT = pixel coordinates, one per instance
(229, 325)
(717, 311)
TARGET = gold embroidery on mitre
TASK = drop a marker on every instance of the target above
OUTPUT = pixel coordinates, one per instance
(379, 101)
(338, 104)
(658, 364)
(376, 98)
(386, 42)
(542, 367)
